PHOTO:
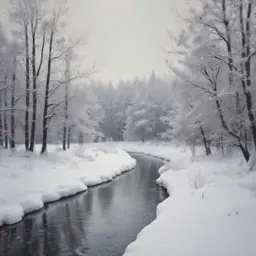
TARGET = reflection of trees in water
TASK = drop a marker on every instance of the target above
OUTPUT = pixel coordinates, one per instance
(87, 203)
(18, 239)
(69, 231)
(73, 230)
(105, 197)
(66, 232)
(29, 239)
(7, 240)
(56, 235)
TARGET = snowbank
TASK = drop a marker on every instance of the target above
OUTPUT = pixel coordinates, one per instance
(161, 150)
(28, 181)
(210, 211)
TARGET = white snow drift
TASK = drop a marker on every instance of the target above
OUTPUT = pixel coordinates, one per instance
(28, 181)
(210, 211)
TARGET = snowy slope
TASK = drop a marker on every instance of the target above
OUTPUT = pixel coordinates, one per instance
(210, 211)
(27, 181)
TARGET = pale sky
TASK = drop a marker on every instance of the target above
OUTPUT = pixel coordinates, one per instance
(125, 37)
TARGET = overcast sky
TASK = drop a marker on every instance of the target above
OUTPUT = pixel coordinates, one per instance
(125, 36)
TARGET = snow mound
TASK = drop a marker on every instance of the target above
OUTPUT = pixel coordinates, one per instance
(210, 211)
(11, 214)
(32, 203)
(28, 181)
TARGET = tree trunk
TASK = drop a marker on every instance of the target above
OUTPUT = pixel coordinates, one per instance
(27, 90)
(12, 140)
(65, 128)
(245, 138)
(228, 42)
(80, 138)
(1, 120)
(34, 92)
(246, 67)
(64, 139)
(247, 92)
(209, 151)
(222, 145)
(230, 53)
(5, 114)
(46, 96)
(193, 149)
(244, 150)
(243, 55)
(69, 137)
(143, 136)
(206, 143)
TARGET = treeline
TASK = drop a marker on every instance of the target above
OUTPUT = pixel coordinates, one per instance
(37, 67)
(134, 110)
(215, 85)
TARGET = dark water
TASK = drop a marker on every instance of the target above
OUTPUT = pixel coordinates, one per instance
(99, 222)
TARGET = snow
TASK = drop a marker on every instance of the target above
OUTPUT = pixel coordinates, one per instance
(210, 211)
(28, 181)
(162, 150)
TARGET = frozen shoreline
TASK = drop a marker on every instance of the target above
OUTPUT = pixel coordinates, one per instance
(29, 181)
(210, 209)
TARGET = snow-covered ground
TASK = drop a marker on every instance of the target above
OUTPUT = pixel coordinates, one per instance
(28, 181)
(210, 211)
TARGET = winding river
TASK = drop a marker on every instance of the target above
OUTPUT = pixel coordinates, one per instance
(99, 222)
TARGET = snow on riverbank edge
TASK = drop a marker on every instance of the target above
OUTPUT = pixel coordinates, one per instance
(210, 210)
(29, 181)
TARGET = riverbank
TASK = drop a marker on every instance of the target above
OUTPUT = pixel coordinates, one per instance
(210, 211)
(28, 181)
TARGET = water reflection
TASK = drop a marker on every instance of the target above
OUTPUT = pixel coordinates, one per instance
(102, 221)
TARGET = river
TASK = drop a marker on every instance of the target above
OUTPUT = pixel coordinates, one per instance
(99, 222)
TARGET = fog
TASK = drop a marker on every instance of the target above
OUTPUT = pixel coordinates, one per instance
(124, 38)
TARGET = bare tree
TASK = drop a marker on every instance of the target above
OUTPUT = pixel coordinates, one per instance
(5, 99)
(28, 19)
(246, 30)
(13, 101)
(1, 118)
(35, 74)
(66, 126)
(220, 50)
(47, 86)
(26, 130)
